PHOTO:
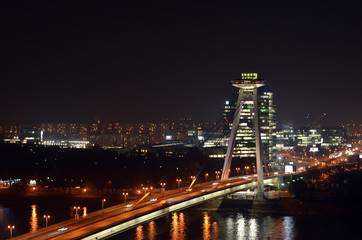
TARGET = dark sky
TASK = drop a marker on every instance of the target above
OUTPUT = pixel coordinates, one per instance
(150, 60)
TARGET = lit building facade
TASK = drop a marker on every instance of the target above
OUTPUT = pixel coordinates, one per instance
(324, 137)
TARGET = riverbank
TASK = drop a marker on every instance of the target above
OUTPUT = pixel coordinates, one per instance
(54, 198)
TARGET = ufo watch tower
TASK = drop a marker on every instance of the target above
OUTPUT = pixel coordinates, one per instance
(248, 84)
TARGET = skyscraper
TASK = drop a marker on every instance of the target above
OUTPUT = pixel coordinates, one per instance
(245, 137)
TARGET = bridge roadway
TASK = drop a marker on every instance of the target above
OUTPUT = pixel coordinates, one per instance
(118, 218)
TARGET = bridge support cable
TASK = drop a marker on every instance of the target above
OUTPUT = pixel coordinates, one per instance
(218, 124)
(213, 130)
(199, 144)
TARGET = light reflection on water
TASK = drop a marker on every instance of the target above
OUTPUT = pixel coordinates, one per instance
(289, 227)
(240, 226)
(178, 226)
(152, 232)
(34, 218)
(210, 229)
(139, 233)
(206, 234)
(215, 225)
(84, 211)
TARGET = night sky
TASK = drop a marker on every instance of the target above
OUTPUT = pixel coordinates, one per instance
(142, 61)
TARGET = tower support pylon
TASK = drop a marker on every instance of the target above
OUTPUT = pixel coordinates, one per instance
(248, 91)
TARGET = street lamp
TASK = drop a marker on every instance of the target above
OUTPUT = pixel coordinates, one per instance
(46, 220)
(178, 182)
(125, 196)
(11, 228)
(76, 216)
(206, 176)
(163, 185)
(217, 174)
(103, 201)
(237, 170)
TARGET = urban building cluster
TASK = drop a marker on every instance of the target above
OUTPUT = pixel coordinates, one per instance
(190, 132)
(325, 137)
(352, 129)
(122, 135)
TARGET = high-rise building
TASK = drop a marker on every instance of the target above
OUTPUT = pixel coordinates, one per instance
(245, 137)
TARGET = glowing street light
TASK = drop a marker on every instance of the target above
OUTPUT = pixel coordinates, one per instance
(76, 216)
(125, 196)
(76, 208)
(163, 184)
(11, 229)
(103, 201)
(237, 170)
(206, 176)
(217, 174)
(46, 220)
(178, 182)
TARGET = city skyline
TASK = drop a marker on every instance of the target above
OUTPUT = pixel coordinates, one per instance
(180, 120)
(144, 62)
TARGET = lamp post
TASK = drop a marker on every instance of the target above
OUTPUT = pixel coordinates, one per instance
(46, 220)
(11, 229)
(125, 196)
(217, 174)
(178, 182)
(206, 176)
(76, 216)
(163, 187)
(103, 201)
(237, 170)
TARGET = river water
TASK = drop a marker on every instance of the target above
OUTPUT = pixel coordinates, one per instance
(28, 216)
(233, 225)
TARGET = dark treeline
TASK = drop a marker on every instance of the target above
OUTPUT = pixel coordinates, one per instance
(106, 170)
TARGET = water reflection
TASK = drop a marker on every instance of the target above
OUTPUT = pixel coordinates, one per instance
(210, 231)
(178, 227)
(215, 231)
(288, 227)
(240, 224)
(206, 227)
(84, 211)
(152, 230)
(253, 232)
(139, 233)
(34, 219)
